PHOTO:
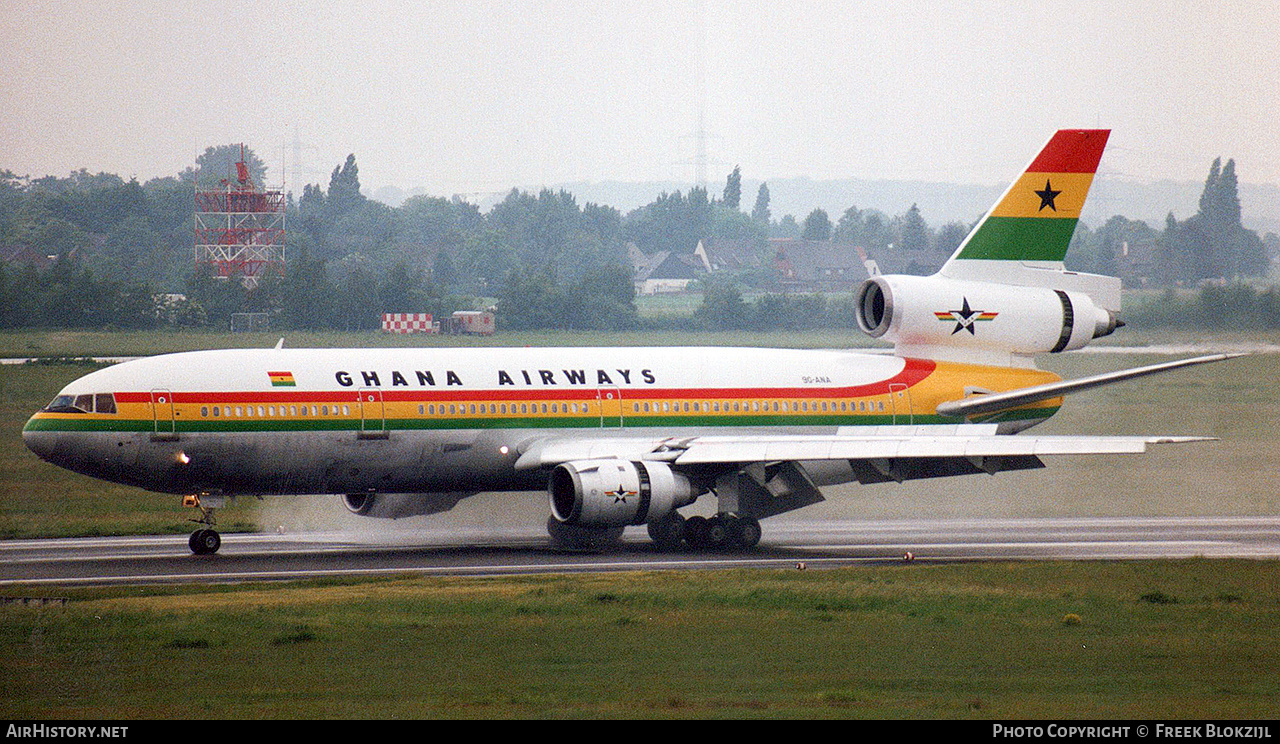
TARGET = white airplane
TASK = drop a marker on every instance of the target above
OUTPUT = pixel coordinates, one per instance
(628, 436)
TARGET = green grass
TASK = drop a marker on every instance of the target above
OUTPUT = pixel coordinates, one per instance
(919, 641)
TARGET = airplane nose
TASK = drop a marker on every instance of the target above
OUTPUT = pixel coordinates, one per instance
(39, 442)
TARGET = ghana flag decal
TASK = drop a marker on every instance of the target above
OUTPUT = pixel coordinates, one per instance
(282, 379)
(1036, 217)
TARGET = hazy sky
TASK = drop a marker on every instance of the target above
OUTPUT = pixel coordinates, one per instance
(474, 97)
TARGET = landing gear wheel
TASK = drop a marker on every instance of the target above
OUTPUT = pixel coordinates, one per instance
(204, 542)
(744, 532)
(695, 532)
(668, 532)
(718, 535)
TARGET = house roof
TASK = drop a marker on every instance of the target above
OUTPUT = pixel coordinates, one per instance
(670, 265)
(819, 260)
(728, 255)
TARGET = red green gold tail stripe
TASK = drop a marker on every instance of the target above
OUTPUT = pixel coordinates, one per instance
(1037, 215)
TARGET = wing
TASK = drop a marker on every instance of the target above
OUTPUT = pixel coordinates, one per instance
(855, 444)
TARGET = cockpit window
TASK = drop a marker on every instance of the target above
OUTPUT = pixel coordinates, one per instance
(66, 404)
(105, 403)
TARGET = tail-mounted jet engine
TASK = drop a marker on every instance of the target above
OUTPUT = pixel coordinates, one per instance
(615, 493)
(934, 311)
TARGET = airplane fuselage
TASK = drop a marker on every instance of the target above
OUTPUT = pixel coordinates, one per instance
(301, 421)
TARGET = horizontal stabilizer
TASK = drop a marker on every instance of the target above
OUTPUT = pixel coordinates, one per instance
(990, 403)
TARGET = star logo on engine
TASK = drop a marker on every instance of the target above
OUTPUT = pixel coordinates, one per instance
(620, 495)
(964, 318)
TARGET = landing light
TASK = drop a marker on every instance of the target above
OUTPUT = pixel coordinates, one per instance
(504, 449)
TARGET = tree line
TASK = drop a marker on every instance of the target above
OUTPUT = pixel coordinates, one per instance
(543, 259)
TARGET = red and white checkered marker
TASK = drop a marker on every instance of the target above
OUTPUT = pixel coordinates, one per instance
(407, 322)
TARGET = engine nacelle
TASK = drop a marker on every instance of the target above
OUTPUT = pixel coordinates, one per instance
(399, 505)
(934, 311)
(614, 493)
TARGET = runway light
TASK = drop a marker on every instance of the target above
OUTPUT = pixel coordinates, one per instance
(908, 556)
(184, 458)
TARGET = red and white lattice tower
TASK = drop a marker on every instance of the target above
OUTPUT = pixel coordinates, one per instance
(240, 228)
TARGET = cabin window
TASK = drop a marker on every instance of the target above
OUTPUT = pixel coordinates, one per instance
(346, 410)
(421, 409)
(204, 411)
(239, 411)
(106, 402)
(503, 408)
(524, 408)
(262, 411)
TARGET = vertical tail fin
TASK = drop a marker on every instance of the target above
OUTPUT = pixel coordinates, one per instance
(1034, 219)
(1024, 238)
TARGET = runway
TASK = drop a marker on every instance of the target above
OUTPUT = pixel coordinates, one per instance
(786, 544)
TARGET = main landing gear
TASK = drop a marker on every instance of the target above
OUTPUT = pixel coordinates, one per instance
(204, 541)
(721, 532)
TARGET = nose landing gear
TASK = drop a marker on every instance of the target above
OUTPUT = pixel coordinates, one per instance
(204, 541)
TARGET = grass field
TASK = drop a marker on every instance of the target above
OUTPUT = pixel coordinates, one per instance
(1188, 639)
(22, 344)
